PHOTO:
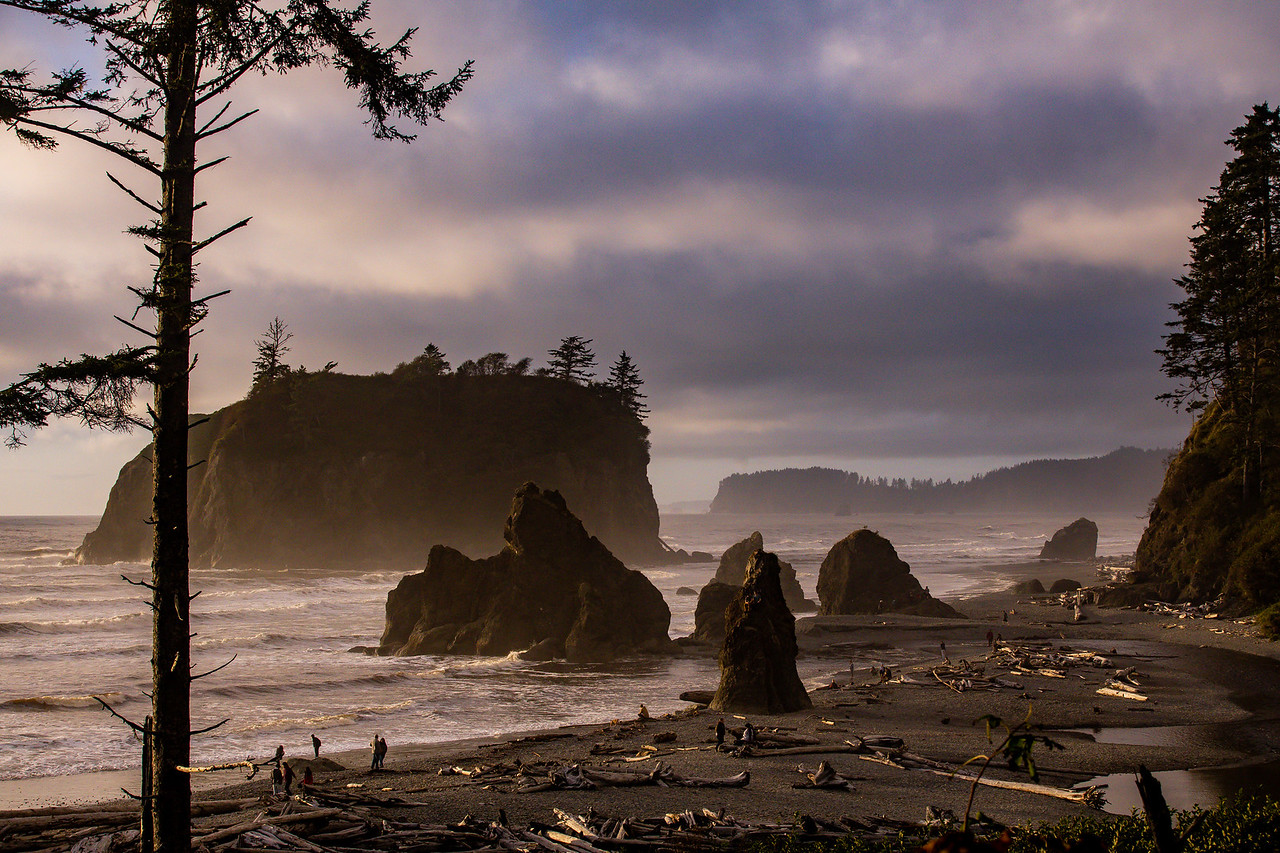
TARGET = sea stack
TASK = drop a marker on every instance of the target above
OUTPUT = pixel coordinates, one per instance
(1077, 541)
(862, 574)
(758, 659)
(733, 571)
(554, 589)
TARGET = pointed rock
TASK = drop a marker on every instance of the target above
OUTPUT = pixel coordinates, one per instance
(758, 659)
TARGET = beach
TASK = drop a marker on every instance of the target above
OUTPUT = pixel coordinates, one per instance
(1208, 686)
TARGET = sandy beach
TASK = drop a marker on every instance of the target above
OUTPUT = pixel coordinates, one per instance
(1209, 686)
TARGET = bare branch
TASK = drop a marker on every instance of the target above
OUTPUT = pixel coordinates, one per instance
(204, 134)
(130, 723)
(148, 205)
(207, 729)
(149, 334)
(224, 232)
(212, 671)
(210, 164)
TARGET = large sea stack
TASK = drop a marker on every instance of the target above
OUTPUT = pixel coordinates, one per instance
(1077, 541)
(554, 588)
(862, 574)
(330, 470)
(758, 659)
(733, 570)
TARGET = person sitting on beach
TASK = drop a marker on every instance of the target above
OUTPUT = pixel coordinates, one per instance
(307, 779)
(748, 734)
(644, 712)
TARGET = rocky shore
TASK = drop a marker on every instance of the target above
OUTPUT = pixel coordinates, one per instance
(1199, 672)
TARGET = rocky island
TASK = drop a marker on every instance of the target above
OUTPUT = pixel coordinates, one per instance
(333, 470)
(554, 591)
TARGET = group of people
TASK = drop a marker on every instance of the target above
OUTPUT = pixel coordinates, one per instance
(747, 738)
(379, 747)
(282, 775)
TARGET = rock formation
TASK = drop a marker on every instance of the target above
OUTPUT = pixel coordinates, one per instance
(554, 589)
(862, 574)
(758, 659)
(1064, 585)
(1033, 586)
(733, 570)
(709, 616)
(1077, 541)
(337, 471)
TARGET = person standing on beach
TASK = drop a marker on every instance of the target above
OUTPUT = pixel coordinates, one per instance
(288, 779)
(382, 752)
(315, 744)
(720, 733)
(943, 647)
(277, 780)
(307, 779)
(279, 755)
(373, 745)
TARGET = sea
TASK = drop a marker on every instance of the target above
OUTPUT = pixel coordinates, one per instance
(71, 634)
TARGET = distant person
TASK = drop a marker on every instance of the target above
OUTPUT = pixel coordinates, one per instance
(720, 733)
(279, 755)
(277, 780)
(288, 778)
(748, 734)
(373, 748)
(1004, 615)
(644, 712)
(382, 752)
(315, 745)
(307, 779)
(943, 648)
(991, 639)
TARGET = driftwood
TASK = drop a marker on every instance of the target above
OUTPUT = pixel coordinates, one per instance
(825, 777)
(240, 828)
(1092, 796)
(578, 777)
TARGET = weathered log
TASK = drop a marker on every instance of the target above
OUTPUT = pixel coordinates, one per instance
(232, 831)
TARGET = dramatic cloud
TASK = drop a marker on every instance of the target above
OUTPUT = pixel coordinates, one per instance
(914, 239)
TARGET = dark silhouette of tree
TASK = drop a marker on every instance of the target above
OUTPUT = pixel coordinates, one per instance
(166, 62)
(1223, 346)
(624, 378)
(494, 364)
(572, 360)
(272, 346)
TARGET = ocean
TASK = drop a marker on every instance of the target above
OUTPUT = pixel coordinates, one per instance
(71, 633)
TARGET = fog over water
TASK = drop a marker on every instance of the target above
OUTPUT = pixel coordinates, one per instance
(69, 633)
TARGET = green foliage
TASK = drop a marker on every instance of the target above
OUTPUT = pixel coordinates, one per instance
(272, 346)
(1268, 622)
(1016, 749)
(1245, 825)
(572, 360)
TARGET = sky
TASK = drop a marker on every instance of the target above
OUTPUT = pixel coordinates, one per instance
(918, 239)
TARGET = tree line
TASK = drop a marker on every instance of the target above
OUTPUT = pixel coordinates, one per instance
(1224, 341)
(571, 361)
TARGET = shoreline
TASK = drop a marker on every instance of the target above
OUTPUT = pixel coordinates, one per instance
(1213, 676)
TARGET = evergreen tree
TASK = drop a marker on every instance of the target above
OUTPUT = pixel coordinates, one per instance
(1223, 346)
(573, 360)
(431, 363)
(165, 63)
(624, 378)
(272, 346)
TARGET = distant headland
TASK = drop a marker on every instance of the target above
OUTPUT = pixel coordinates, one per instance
(1125, 480)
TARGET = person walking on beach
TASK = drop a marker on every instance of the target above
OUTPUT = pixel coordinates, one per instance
(288, 779)
(315, 745)
(720, 733)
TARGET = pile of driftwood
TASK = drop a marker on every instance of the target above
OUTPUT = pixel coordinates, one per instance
(334, 822)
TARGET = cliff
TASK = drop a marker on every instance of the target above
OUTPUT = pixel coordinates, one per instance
(1204, 539)
(326, 469)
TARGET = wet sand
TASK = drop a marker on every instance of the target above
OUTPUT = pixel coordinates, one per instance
(1215, 676)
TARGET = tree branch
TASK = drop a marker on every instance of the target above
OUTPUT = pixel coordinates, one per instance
(139, 199)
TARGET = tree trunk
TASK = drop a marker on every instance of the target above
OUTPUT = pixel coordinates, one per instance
(171, 633)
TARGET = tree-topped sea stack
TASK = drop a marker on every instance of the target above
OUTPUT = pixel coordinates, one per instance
(1077, 541)
(339, 471)
(758, 659)
(554, 588)
(862, 574)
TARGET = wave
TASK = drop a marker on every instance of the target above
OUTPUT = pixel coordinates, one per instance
(326, 721)
(55, 703)
(37, 552)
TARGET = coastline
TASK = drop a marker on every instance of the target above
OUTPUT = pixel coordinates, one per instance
(1212, 677)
